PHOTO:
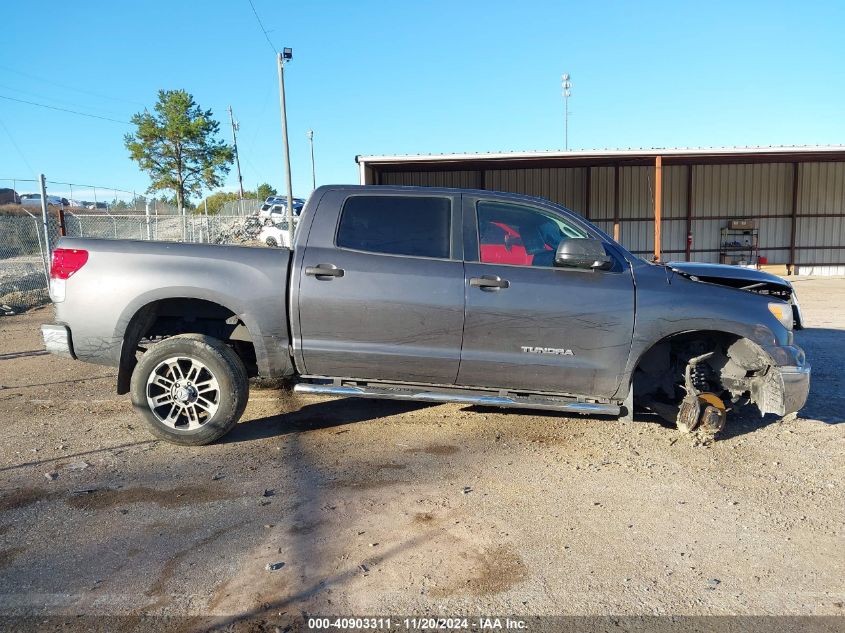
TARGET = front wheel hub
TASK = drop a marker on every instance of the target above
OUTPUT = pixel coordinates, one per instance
(713, 414)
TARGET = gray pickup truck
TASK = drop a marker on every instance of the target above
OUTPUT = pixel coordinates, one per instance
(432, 295)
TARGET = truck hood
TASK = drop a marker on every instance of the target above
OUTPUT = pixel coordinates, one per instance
(733, 276)
(748, 279)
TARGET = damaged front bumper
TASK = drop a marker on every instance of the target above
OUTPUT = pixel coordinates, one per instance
(796, 387)
(785, 387)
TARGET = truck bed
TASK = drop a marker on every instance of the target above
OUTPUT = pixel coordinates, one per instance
(121, 277)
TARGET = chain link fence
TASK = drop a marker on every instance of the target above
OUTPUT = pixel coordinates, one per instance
(23, 261)
(26, 241)
(248, 206)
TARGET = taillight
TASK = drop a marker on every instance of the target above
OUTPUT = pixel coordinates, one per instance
(67, 261)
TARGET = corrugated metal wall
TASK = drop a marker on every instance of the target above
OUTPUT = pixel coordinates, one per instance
(820, 216)
(762, 192)
(457, 179)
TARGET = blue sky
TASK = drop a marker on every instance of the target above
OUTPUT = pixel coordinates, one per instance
(416, 77)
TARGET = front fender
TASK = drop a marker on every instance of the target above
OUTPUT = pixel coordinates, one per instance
(668, 305)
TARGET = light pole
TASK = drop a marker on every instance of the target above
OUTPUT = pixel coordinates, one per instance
(310, 135)
(285, 56)
(566, 85)
(235, 127)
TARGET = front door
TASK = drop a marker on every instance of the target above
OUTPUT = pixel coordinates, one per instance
(533, 326)
(381, 292)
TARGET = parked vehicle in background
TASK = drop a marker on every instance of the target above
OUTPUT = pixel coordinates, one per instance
(275, 235)
(9, 196)
(34, 200)
(271, 200)
(388, 293)
(275, 209)
(97, 205)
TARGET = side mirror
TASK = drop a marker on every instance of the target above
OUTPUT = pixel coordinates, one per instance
(582, 252)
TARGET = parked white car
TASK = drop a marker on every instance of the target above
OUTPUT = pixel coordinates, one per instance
(275, 209)
(275, 236)
(34, 200)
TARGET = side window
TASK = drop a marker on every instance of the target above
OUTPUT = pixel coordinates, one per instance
(520, 235)
(418, 226)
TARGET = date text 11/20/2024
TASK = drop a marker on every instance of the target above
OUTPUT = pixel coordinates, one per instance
(416, 624)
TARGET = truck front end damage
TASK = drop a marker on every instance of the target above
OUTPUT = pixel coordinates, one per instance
(694, 379)
(748, 279)
(775, 388)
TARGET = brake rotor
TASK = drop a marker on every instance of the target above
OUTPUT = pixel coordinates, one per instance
(713, 413)
(688, 415)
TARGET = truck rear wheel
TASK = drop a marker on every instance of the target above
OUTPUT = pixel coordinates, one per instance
(191, 389)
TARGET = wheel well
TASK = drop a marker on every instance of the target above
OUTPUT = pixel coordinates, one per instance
(736, 367)
(168, 317)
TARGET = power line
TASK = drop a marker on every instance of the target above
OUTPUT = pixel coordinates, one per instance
(49, 107)
(66, 87)
(15, 145)
(55, 102)
(263, 30)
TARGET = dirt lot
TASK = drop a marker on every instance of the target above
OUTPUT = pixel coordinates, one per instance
(391, 508)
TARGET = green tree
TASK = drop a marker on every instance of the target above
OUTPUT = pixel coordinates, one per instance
(216, 201)
(264, 191)
(171, 201)
(178, 147)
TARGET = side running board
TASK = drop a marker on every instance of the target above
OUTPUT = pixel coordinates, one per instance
(528, 401)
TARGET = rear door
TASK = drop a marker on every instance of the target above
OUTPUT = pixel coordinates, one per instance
(533, 326)
(381, 287)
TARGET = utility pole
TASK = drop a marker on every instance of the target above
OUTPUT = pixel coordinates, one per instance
(42, 182)
(147, 214)
(310, 135)
(235, 128)
(285, 56)
(566, 85)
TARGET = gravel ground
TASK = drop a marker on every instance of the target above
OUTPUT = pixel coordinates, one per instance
(391, 508)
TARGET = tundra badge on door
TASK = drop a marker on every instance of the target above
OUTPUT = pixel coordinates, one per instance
(547, 350)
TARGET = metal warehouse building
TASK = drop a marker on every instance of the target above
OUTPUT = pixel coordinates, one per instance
(671, 204)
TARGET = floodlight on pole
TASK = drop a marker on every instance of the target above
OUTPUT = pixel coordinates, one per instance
(566, 86)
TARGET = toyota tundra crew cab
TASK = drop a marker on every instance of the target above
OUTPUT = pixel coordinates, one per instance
(432, 295)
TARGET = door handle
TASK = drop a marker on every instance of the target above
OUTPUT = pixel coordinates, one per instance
(324, 271)
(489, 282)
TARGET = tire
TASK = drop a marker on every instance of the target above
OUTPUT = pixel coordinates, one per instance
(190, 389)
(271, 242)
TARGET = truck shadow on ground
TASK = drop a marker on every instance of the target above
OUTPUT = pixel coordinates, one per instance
(320, 415)
(319, 517)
